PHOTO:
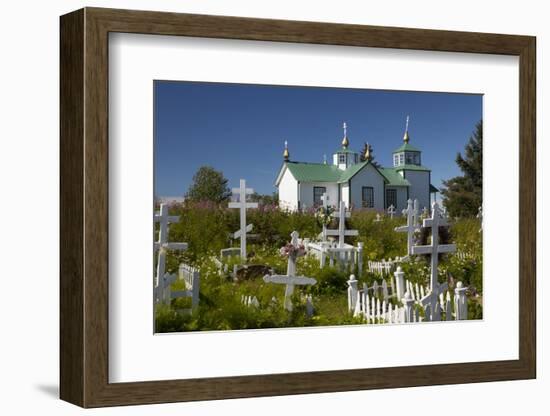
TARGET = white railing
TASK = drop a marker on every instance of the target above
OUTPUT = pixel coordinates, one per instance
(191, 278)
(402, 302)
(348, 257)
(383, 268)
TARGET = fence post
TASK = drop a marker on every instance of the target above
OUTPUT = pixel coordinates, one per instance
(408, 303)
(461, 302)
(352, 293)
(400, 282)
(360, 246)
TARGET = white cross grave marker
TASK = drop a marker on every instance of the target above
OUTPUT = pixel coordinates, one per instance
(290, 279)
(378, 218)
(241, 193)
(410, 228)
(391, 211)
(342, 214)
(162, 244)
(434, 249)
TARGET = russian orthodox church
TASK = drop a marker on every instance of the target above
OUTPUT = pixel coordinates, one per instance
(356, 180)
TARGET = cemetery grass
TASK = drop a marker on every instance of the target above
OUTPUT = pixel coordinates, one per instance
(206, 227)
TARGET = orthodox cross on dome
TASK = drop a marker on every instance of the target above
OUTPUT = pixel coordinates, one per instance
(286, 154)
(368, 152)
(290, 280)
(341, 232)
(345, 141)
(162, 244)
(406, 135)
(241, 194)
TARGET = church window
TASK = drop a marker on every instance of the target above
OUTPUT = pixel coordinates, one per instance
(367, 196)
(401, 159)
(342, 158)
(410, 159)
(318, 192)
(391, 198)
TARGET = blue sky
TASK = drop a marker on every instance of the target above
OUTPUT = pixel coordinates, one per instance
(240, 129)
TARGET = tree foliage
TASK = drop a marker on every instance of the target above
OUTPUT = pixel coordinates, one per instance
(208, 185)
(362, 155)
(463, 194)
(272, 199)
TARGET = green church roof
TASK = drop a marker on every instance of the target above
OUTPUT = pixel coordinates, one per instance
(320, 172)
(394, 177)
(433, 188)
(412, 167)
(314, 172)
(406, 147)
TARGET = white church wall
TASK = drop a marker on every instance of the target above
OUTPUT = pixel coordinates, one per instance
(306, 192)
(401, 197)
(368, 176)
(288, 192)
(420, 187)
(344, 194)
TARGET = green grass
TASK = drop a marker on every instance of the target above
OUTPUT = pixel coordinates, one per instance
(206, 231)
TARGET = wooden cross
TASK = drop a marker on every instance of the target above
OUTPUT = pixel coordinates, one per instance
(290, 279)
(391, 211)
(162, 244)
(241, 194)
(342, 214)
(434, 248)
(410, 228)
(432, 299)
(237, 233)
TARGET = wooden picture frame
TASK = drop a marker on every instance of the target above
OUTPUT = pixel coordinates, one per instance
(84, 207)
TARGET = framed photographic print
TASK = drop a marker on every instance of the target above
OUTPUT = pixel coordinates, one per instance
(256, 207)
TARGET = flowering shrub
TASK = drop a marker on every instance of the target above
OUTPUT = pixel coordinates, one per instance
(289, 250)
(324, 215)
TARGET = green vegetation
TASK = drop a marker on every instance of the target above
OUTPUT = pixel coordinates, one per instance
(205, 226)
(208, 185)
(463, 194)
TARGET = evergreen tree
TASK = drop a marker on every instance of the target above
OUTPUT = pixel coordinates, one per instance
(463, 194)
(208, 185)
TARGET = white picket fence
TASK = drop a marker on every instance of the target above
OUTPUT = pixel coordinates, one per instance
(380, 302)
(250, 301)
(464, 255)
(383, 268)
(191, 278)
(348, 257)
